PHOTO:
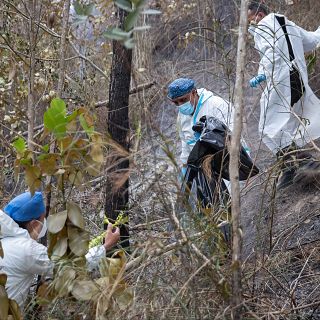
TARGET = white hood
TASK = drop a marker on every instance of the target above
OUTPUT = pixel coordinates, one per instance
(9, 228)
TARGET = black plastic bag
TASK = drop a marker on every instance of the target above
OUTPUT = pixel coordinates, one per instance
(213, 142)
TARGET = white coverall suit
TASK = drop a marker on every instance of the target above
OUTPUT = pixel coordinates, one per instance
(208, 105)
(24, 258)
(280, 124)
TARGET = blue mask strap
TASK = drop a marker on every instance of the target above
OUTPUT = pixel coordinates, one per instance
(195, 117)
(198, 108)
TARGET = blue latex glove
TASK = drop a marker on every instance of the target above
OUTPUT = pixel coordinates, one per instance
(183, 172)
(197, 135)
(257, 80)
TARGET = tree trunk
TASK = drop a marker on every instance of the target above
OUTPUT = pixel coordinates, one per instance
(234, 165)
(118, 127)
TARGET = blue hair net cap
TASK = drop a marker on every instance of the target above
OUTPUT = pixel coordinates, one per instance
(180, 87)
(24, 207)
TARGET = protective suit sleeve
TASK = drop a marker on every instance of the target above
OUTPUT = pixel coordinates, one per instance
(184, 151)
(37, 260)
(264, 43)
(94, 255)
(310, 39)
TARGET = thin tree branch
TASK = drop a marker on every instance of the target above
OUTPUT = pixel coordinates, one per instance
(234, 165)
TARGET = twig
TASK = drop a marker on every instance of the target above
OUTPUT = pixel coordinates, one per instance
(132, 91)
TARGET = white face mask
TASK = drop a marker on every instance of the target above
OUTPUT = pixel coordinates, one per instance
(43, 230)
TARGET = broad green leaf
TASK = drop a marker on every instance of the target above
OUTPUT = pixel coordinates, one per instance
(87, 128)
(20, 145)
(26, 162)
(124, 299)
(59, 249)
(85, 290)
(33, 178)
(14, 310)
(48, 163)
(96, 152)
(76, 178)
(115, 265)
(117, 34)
(64, 281)
(93, 168)
(78, 240)
(45, 148)
(57, 221)
(124, 4)
(52, 239)
(75, 215)
(72, 116)
(45, 294)
(55, 118)
(131, 20)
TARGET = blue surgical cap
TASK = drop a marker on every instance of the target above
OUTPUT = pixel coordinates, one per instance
(25, 207)
(180, 87)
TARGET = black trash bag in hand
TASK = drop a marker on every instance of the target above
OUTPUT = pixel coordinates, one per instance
(213, 142)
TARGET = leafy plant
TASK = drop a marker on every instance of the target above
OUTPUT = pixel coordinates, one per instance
(78, 153)
(133, 8)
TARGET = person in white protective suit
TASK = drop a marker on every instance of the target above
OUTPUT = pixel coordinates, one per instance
(193, 104)
(290, 111)
(22, 223)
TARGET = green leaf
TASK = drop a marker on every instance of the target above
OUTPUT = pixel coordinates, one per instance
(20, 145)
(83, 9)
(131, 20)
(78, 8)
(78, 240)
(26, 162)
(45, 148)
(84, 125)
(75, 215)
(55, 118)
(124, 4)
(64, 281)
(72, 116)
(57, 221)
(88, 9)
(129, 44)
(84, 290)
(138, 3)
(14, 310)
(117, 34)
(33, 178)
(60, 249)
